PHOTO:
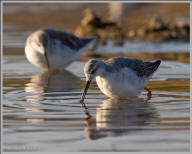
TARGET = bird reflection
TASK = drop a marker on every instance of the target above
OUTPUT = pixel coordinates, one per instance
(116, 117)
(52, 81)
(48, 84)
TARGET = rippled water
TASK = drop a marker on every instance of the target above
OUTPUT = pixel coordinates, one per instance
(42, 112)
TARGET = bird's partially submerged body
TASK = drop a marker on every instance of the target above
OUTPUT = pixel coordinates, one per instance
(54, 49)
(121, 84)
(120, 77)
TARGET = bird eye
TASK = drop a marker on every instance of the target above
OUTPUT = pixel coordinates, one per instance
(93, 71)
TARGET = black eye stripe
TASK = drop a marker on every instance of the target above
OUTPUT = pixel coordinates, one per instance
(94, 70)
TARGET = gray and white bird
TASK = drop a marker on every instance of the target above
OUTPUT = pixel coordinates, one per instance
(54, 49)
(120, 77)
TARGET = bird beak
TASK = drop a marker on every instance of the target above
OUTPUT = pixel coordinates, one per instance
(85, 90)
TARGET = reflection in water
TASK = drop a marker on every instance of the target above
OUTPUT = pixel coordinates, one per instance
(49, 83)
(52, 81)
(55, 123)
(117, 117)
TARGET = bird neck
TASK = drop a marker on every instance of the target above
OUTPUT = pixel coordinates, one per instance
(102, 69)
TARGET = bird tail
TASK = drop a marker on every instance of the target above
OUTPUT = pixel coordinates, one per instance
(151, 67)
(158, 62)
(87, 43)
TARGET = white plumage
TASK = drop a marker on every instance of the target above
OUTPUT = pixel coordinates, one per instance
(124, 83)
(120, 77)
(54, 49)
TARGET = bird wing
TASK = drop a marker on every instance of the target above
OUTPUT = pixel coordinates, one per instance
(141, 68)
(150, 67)
(145, 68)
(68, 39)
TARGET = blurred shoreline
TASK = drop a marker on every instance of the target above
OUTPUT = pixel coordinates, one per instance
(67, 16)
(21, 19)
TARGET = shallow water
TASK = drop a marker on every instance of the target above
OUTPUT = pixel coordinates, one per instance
(42, 111)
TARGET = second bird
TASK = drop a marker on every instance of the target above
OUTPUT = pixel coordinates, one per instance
(53, 49)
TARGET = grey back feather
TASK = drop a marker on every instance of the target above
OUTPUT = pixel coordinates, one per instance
(68, 39)
(141, 68)
(42, 37)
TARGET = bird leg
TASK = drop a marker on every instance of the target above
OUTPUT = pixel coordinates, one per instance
(149, 93)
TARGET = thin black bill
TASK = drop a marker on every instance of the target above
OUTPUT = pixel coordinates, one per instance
(85, 90)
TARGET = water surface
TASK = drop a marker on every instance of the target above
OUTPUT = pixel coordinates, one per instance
(42, 111)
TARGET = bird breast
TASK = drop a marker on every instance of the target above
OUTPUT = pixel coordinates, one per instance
(124, 83)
